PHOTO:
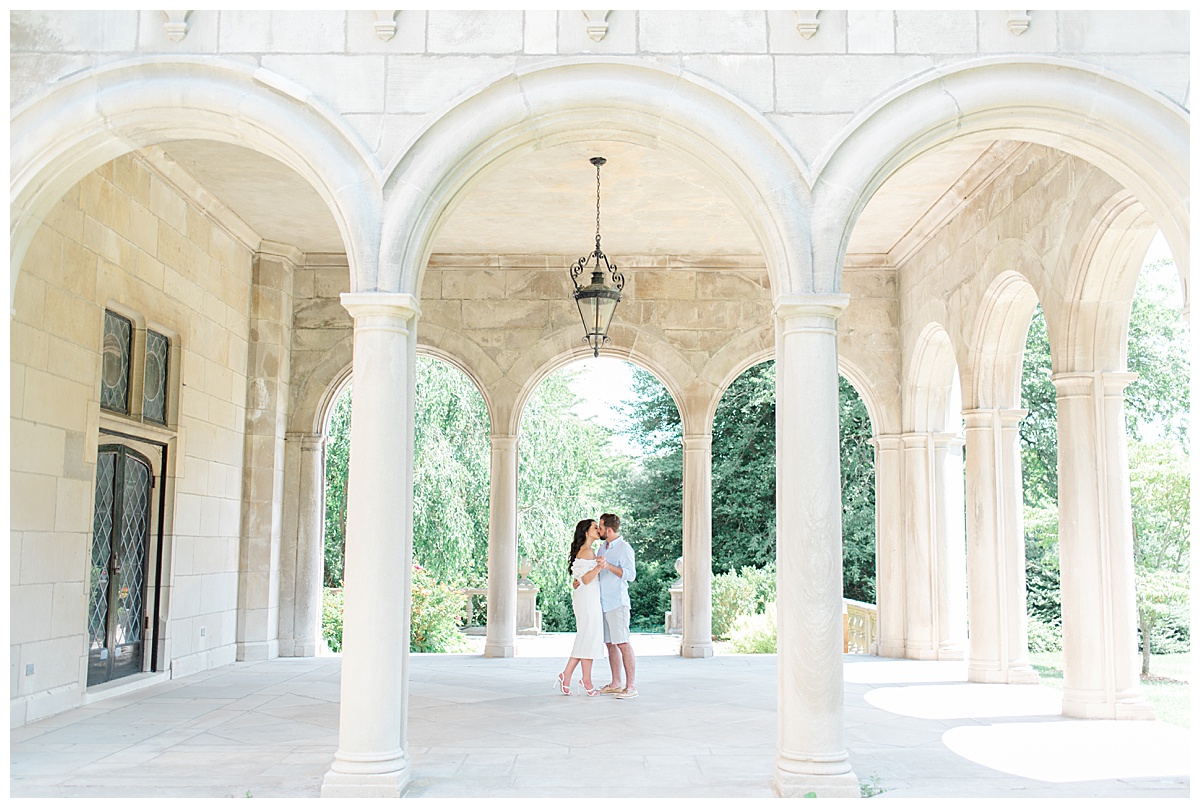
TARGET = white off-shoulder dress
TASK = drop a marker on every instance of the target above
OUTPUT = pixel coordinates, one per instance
(589, 619)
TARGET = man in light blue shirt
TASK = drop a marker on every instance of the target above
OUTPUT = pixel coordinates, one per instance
(616, 571)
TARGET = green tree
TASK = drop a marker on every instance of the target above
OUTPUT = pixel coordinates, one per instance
(568, 471)
(743, 477)
(450, 478)
(1039, 429)
(451, 471)
(337, 471)
(1160, 487)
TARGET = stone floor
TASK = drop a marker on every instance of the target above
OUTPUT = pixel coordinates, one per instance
(495, 728)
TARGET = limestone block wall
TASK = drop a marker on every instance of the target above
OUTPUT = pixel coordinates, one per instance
(388, 76)
(509, 319)
(128, 237)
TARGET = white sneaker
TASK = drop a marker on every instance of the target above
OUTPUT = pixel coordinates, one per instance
(628, 693)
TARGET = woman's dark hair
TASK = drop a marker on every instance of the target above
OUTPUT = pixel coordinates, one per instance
(581, 531)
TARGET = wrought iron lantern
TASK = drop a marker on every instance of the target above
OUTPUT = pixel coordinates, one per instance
(597, 301)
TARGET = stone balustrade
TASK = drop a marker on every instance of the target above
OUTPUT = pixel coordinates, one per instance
(859, 627)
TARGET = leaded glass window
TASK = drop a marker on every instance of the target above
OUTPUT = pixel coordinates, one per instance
(114, 371)
(154, 404)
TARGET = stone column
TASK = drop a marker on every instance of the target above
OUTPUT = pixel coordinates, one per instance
(372, 757)
(889, 545)
(920, 559)
(811, 747)
(302, 564)
(502, 550)
(262, 470)
(999, 646)
(697, 547)
(950, 548)
(1101, 673)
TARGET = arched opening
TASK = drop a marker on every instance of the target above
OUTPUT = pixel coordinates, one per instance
(450, 504)
(575, 464)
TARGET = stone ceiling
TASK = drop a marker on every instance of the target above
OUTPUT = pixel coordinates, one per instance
(653, 202)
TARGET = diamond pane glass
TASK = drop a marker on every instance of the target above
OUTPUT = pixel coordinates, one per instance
(154, 405)
(102, 527)
(114, 370)
(131, 550)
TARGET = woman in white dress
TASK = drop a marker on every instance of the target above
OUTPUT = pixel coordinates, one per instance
(585, 600)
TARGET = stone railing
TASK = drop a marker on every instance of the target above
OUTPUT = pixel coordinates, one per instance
(858, 627)
(475, 611)
(529, 618)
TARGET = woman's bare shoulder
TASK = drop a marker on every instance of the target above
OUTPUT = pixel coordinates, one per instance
(586, 552)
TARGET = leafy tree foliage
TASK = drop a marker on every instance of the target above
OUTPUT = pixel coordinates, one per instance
(337, 471)
(1039, 429)
(743, 478)
(450, 478)
(568, 471)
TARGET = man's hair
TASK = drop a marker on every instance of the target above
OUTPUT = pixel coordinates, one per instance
(610, 520)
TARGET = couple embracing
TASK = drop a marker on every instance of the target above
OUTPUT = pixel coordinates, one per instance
(600, 578)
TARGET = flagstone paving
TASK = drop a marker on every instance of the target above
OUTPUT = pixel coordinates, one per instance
(496, 728)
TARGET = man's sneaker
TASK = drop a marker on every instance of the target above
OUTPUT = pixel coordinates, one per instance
(628, 693)
(611, 688)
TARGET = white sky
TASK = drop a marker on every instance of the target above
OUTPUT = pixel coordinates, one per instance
(602, 384)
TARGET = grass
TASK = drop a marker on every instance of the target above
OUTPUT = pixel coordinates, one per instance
(1167, 687)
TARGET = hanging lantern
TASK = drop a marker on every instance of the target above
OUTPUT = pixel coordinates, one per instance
(597, 301)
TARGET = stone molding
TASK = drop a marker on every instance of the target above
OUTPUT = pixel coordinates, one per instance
(385, 24)
(597, 24)
(807, 23)
(381, 309)
(176, 25)
(1018, 22)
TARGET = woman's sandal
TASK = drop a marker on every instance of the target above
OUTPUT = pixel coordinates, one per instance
(562, 685)
(591, 691)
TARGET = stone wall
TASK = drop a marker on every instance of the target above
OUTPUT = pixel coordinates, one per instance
(388, 83)
(128, 238)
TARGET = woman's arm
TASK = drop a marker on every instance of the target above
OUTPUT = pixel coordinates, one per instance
(590, 576)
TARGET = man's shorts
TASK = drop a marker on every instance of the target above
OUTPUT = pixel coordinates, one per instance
(616, 625)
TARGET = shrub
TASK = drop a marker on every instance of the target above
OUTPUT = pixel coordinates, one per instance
(755, 633)
(437, 612)
(650, 596)
(732, 596)
(331, 619)
(763, 581)
(1043, 636)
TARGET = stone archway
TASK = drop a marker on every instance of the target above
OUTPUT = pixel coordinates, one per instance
(103, 113)
(1062, 104)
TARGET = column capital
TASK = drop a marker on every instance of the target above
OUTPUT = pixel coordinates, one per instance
(504, 442)
(364, 305)
(1083, 383)
(983, 417)
(946, 440)
(309, 441)
(887, 443)
(697, 442)
(817, 306)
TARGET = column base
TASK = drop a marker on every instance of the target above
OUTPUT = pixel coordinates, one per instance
(1082, 704)
(891, 650)
(696, 650)
(1016, 675)
(387, 784)
(257, 651)
(796, 784)
(499, 650)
